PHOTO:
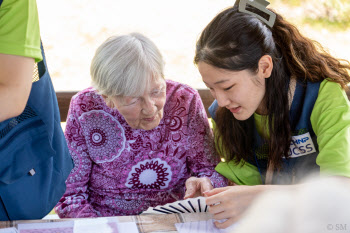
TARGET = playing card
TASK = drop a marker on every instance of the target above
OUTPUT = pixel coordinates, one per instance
(191, 205)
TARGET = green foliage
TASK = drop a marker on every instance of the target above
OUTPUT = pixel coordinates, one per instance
(325, 23)
(332, 14)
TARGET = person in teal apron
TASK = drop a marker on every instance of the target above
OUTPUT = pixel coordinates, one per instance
(281, 112)
(35, 160)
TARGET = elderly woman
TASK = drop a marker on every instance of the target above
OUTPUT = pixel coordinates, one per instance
(135, 137)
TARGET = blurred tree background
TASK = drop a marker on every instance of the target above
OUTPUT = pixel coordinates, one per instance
(331, 14)
(71, 31)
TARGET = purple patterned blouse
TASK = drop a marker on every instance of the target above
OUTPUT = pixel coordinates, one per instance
(123, 171)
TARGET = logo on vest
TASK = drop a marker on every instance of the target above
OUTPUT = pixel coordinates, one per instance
(301, 145)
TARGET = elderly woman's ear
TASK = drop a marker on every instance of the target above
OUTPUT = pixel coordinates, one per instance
(108, 101)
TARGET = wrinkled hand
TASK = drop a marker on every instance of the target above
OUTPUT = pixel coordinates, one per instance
(196, 187)
(230, 202)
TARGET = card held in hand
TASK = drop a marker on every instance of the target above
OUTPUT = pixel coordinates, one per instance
(190, 205)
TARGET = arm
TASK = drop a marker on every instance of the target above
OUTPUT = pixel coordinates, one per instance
(18, 50)
(75, 201)
(330, 121)
(230, 203)
(243, 173)
(204, 157)
(16, 74)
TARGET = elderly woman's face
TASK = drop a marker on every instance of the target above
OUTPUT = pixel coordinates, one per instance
(146, 111)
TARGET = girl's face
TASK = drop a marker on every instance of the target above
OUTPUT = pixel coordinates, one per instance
(146, 111)
(241, 92)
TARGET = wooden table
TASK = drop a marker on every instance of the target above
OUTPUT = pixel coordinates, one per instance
(145, 223)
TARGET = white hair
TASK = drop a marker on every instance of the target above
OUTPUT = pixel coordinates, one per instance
(124, 65)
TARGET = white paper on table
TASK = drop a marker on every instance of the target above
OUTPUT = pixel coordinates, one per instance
(9, 230)
(202, 227)
(47, 227)
(100, 225)
(104, 225)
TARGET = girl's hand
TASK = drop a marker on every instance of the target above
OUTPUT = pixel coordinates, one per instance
(230, 202)
(196, 187)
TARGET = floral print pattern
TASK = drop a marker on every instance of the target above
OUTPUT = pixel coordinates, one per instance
(123, 171)
(104, 135)
(154, 174)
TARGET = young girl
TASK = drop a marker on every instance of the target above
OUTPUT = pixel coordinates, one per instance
(281, 111)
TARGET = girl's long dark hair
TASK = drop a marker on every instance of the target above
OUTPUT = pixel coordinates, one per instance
(236, 41)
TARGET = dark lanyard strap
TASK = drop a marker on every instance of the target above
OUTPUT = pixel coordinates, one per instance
(0, 2)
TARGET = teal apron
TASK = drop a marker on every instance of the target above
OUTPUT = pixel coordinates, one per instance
(34, 157)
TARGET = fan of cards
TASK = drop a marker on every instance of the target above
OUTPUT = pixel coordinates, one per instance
(190, 205)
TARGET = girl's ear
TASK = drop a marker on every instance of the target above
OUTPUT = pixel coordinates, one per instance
(265, 66)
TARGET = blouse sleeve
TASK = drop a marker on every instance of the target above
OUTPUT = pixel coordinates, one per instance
(330, 120)
(203, 156)
(75, 201)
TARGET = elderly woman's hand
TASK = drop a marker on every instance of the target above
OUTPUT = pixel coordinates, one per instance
(197, 186)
